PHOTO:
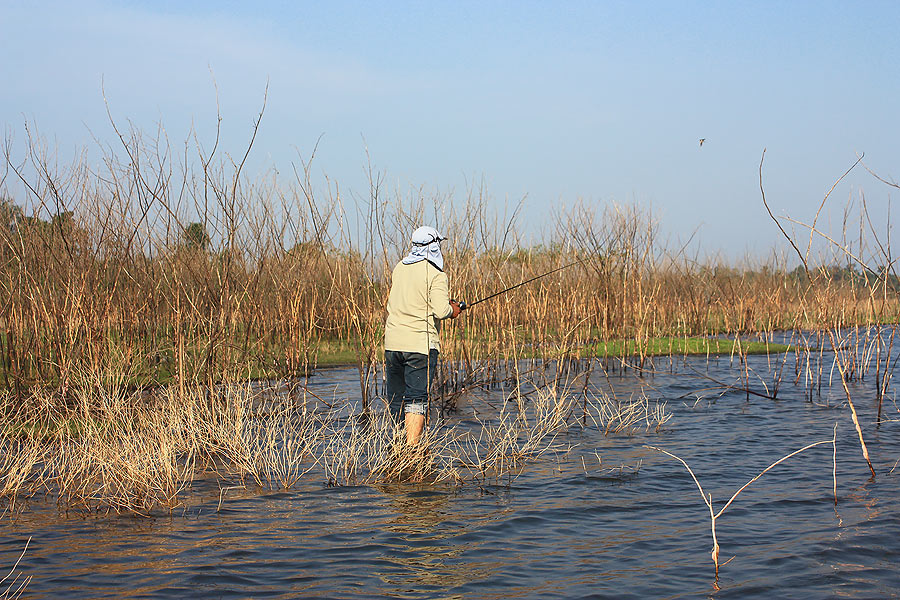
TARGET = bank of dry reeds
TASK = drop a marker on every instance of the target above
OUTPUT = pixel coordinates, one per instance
(150, 269)
(158, 266)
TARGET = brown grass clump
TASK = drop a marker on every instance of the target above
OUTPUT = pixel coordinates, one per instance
(141, 453)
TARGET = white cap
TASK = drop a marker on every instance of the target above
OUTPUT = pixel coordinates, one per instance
(426, 235)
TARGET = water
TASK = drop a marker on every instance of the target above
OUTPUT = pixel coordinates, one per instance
(567, 527)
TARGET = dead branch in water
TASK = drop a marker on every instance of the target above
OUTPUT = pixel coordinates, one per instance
(707, 498)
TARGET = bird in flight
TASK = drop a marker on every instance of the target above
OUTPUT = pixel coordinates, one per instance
(701, 141)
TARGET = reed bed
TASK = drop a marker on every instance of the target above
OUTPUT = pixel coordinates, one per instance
(145, 453)
(143, 293)
(150, 271)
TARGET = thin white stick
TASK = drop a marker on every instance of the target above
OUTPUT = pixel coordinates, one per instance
(708, 499)
(834, 463)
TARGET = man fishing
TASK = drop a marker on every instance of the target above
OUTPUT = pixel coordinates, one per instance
(418, 301)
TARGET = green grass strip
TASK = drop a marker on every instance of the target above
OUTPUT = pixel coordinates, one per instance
(665, 346)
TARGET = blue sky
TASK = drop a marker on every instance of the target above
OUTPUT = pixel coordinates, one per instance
(550, 102)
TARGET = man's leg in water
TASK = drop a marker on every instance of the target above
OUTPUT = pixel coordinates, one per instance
(420, 371)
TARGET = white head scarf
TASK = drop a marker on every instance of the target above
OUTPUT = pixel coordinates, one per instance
(426, 245)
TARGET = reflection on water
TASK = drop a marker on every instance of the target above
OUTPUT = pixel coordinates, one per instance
(570, 526)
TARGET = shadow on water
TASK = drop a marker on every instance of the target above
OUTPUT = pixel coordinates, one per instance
(610, 519)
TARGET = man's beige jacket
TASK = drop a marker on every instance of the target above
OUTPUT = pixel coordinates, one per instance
(419, 300)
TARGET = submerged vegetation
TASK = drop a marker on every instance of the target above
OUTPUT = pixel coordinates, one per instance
(141, 297)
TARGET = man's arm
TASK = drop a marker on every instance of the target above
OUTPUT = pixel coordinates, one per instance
(441, 306)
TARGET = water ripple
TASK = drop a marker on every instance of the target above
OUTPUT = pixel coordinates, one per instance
(571, 529)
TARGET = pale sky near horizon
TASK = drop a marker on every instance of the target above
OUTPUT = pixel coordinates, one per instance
(551, 102)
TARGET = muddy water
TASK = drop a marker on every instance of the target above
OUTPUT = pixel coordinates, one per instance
(567, 527)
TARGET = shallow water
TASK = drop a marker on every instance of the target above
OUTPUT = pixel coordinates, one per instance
(567, 527)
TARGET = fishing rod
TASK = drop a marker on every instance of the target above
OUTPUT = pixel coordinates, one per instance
(466, 305)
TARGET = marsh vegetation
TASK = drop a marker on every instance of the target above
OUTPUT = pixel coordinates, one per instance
(161, 313)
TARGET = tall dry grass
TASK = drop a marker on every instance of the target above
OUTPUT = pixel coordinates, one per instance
(152, 269)
(156, 266)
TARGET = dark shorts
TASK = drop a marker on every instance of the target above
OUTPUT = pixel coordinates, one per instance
(408, 376)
